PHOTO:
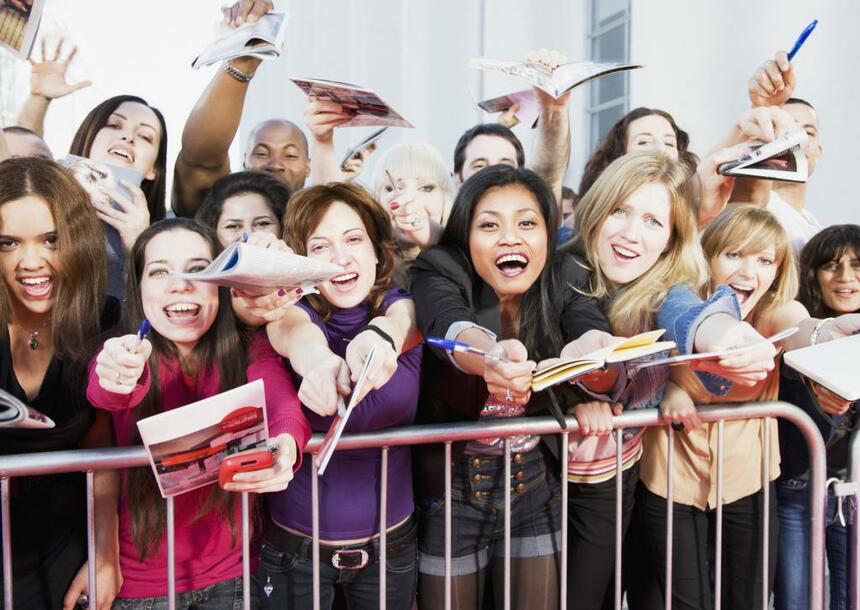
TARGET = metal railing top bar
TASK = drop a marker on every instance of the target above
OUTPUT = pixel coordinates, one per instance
(126, 457)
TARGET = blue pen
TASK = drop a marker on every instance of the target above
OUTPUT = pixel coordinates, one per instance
(458, 346)
(143, 330)
(245, 237)
(801, 39)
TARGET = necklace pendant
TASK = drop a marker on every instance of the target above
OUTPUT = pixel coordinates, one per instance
(33, 340)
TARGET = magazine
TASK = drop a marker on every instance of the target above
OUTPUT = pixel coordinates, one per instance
(555, 82)
(187, 445)
(15, 414)
(335, 430)
(832, 364)
(259, 270)
(362, 146)
(367, 108)
(781, 159)
(527, 106)
(19, 24)
(95, 177)
(263, 39)
(638, 346)
(688, 358)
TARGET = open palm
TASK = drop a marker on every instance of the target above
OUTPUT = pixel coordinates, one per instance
(48, 77)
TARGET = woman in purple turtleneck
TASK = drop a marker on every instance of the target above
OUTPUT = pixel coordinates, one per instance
(326, 338)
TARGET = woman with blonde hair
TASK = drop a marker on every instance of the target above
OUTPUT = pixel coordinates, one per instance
(750, 257)
(637, 234)
(412, 183)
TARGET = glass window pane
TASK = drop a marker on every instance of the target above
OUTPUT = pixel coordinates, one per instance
(608, 88)
(604, 11)
(611, 45)
(602, 121)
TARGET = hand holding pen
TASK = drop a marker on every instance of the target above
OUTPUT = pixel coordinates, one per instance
(507, 370)
(774, 82)
(122, 360)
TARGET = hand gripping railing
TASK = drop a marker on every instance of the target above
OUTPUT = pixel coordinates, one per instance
(90, 461)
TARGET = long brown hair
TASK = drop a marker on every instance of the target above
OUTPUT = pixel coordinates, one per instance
(80, 290)
(304, 213)
(222, 346)
(82, 144)
(614, 145)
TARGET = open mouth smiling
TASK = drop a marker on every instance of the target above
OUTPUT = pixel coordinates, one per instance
(512, 264)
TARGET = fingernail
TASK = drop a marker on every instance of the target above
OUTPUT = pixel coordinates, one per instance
(282, 292)
(299, 291)
(394, 205)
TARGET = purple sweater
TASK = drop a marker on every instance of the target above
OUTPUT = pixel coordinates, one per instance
(350, 488)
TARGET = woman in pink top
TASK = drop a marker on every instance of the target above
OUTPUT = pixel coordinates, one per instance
(196, 350)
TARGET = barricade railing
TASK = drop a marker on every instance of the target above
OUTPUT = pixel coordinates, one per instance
(90, 461)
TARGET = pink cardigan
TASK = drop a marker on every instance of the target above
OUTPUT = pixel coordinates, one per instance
(205, 551)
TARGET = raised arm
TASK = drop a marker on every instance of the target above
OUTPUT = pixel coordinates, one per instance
(214, 121)
(773, 82)
(47, 83)
(551, 152)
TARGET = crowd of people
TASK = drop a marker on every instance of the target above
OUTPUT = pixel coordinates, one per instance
(492, 251)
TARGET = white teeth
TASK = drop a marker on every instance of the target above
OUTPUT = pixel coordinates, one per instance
(120, 153)
(182, 307)
(512, 258)
(346, 277)
(625, 252)
(35, 281)
(742, 288)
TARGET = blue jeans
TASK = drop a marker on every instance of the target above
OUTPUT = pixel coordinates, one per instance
(791, 589)
(225, 595)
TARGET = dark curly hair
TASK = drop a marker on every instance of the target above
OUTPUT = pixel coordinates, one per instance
(614, 145)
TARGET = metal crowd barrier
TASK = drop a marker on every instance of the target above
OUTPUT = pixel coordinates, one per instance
(90, 461)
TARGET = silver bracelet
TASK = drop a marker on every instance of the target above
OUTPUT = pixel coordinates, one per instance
(236, 73)
(813, 338)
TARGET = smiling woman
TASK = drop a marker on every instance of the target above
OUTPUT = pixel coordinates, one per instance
(51, 296)
(195, 351)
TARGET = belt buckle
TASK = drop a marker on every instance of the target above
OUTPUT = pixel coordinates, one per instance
(350, 559)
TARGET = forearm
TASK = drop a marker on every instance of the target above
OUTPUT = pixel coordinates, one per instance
(399, 322)
(473, 364)
(303, 344)
(751, 190)
(324, 163)
(32, 115)
(711, 330)
(551, 152)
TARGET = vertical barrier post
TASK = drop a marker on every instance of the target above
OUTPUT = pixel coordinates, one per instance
(765, 485)
(448, 525)
(383, 528)
(565, 443)
(507, 523)
(619, 517)
(91, 542)
(718, 552)
(171, 557)
(315, 526)
(670, 460)
(246, 553)
(7, 544)
(854, 527)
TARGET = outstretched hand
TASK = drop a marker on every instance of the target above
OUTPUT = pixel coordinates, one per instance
(773, 82)
(48, 76)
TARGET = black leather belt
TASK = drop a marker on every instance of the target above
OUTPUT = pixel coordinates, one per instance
(347, 557)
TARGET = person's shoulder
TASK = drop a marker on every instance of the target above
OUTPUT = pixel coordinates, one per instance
(446, 260)
(573, 269)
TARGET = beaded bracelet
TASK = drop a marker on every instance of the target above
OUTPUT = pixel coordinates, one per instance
(236, 73)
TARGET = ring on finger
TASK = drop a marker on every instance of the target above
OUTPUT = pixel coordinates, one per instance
(508, 396)
(118, 379)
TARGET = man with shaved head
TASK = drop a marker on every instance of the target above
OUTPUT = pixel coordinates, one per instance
(275, 146)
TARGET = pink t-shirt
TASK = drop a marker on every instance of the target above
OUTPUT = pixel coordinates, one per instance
(206, 550)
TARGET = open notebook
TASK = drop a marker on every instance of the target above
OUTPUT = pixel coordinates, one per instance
(638, 346)
(833, 364)
(262, 39)
(252, 268)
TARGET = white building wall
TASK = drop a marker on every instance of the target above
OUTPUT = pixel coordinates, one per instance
(699, 56)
